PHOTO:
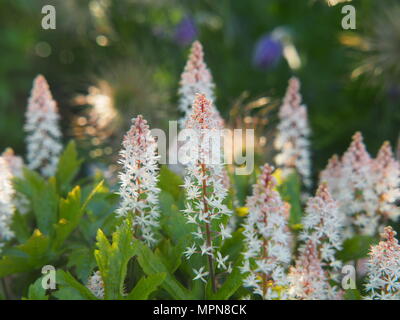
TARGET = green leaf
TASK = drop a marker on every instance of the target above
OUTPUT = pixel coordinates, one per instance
(84, 262)
(170, 255)
(36, 291)
(68, 293)
(20, 227)
(173, 222)
(233, 246)
(170, 182)
(68, 166)
(232, 283)
(290, 191)
(112, 259)
(242, 187)
(31, 255)
(43, 197)
(146, 286)
(352, 294)
(74, 288)
(356, 248)
(151, 265)
(70, 213)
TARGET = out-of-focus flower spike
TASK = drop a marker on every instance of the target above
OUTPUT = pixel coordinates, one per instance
(196, 78)
(357, 197)
(138, 180)
(43, 131)
(332, 175)
(292, 141)
(323, 224)
(308, 280)
(387, 172)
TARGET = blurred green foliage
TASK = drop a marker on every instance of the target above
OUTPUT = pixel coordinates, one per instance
(130, 44)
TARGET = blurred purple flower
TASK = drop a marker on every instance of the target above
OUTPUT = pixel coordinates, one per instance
(185, 32)
(393, 92)
(267, 52)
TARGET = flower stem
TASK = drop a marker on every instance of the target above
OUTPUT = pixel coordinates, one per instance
(208, 233)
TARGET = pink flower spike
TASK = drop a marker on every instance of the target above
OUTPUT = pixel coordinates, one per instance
(308, 280)
(323, 226)
(267, 247)
(387, 182)
(138, 180)
(43, 131)
(196, 78)
(384, 268)
(204, 186)
(292, 140)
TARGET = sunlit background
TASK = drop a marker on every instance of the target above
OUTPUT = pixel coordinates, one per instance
(108, 61)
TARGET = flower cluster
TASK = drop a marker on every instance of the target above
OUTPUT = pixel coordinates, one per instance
(308, 280)
(332, 176)
(322, 236)
(387, 182)
(138, 178)
(6, 202)
(44, 135)
(384, 268)
(205, 189)
(196, 78)
(323, 225)
(292, 139)
(360, 203)
(96, 285)
(267, 251)
(365, 188)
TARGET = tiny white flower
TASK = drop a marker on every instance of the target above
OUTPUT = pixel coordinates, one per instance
(190, 251)
(200, 274)
(221, 261)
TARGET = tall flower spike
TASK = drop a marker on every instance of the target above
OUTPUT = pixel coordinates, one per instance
(292, 140)
(357, 197)
(384, 268)
(196, 78)
(205, 189)
(323, 224)
(267, 246)
(6, 204)
(308, 280)
(96, 285)
(138, 180)
(387, 182)
(43, 132)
